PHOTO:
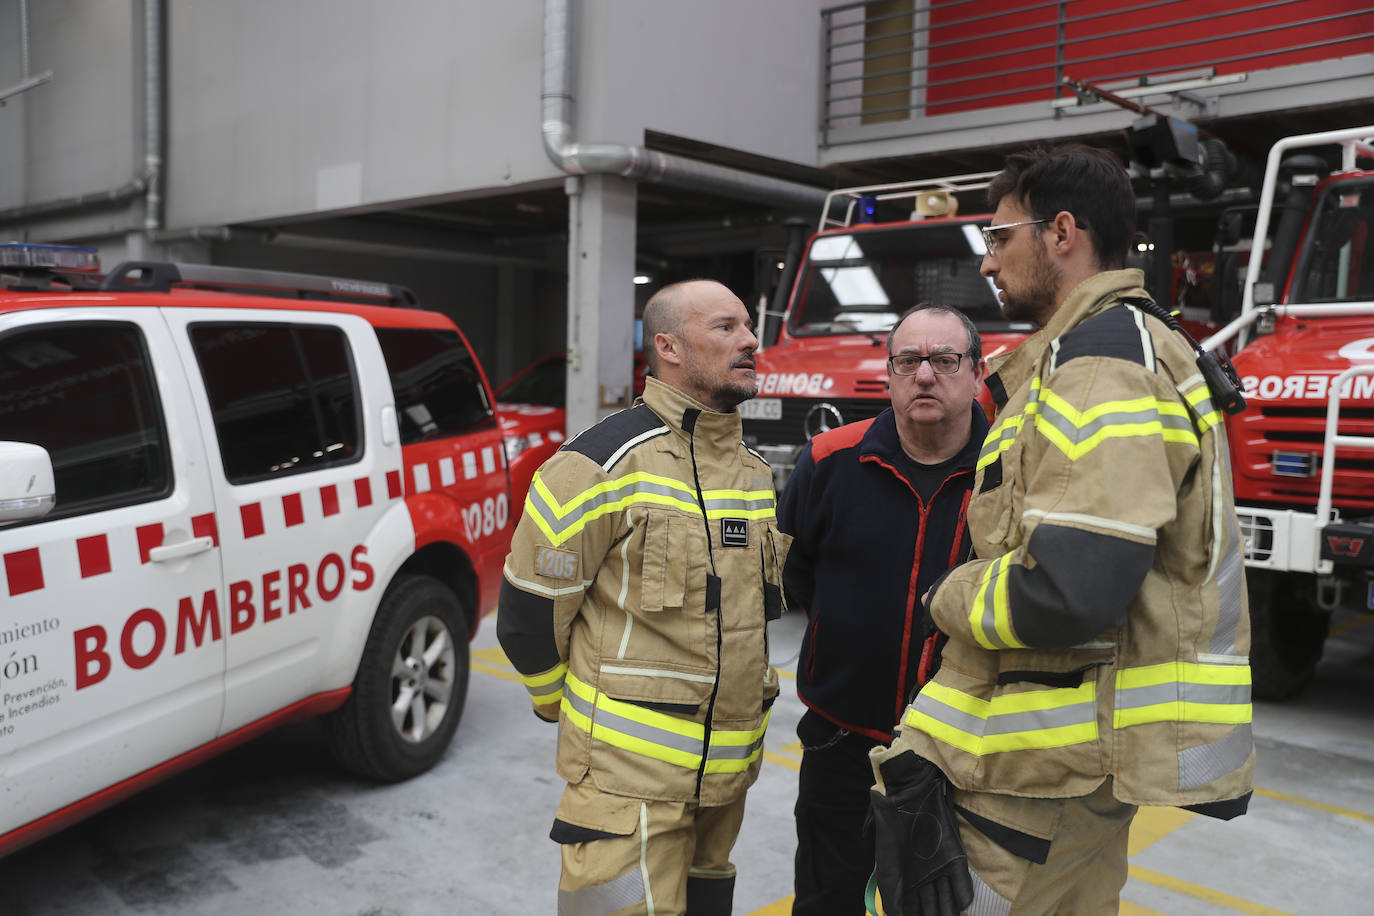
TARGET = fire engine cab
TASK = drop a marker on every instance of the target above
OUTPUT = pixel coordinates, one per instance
(228, 499)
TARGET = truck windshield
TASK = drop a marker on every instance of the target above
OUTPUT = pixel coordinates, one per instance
(860, 282)
(1337, 262)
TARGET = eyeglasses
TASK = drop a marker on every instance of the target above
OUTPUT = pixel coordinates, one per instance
(910, 363)
(993, 241)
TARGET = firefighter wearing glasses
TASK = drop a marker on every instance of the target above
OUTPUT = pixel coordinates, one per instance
(1097, 654)
(635, 602)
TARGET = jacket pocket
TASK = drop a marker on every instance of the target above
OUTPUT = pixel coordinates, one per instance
(673, 567)
(774, 546)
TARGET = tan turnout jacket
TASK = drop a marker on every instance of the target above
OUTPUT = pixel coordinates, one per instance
(1102, 631)
(636, 596)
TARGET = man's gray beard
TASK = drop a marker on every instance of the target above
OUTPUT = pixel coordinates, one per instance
(735, 394)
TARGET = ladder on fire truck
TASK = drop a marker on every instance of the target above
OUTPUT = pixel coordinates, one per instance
(930, 197)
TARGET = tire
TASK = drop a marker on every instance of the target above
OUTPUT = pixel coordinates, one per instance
(417, 651)
(1287, 631)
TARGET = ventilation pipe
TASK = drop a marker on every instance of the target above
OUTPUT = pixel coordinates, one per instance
(636, 162)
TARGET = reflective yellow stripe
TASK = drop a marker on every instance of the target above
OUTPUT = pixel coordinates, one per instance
(1054, 717)
(1200, 399)
(990, 617)
(658, 735)
(561, 521)
(546, 687)
(1076, 433)
(1183, 692)
(1001, 438)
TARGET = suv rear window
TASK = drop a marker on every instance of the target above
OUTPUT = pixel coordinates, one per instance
(438, 390)
(85, 393)
(284, 397)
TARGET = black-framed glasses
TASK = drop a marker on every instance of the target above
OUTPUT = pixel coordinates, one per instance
(992, 241)
(910, 363)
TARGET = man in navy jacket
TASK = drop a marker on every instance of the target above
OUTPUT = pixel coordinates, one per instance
(877, 512)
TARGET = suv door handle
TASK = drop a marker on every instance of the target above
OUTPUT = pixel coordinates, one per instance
(188, 548)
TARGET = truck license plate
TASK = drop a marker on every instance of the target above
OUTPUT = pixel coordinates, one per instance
(761, 409)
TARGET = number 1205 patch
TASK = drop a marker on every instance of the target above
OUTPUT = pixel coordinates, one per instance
(556, 564)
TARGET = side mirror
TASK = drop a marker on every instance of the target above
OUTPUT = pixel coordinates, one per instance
(27, 489)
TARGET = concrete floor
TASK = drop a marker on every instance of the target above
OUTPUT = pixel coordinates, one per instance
(273, 827)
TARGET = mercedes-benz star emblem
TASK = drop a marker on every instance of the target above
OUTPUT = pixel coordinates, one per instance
(821, 418)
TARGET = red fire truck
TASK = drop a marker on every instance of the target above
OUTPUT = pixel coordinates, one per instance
(1304, 348)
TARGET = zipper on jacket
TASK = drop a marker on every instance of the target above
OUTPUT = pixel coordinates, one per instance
(713, 588)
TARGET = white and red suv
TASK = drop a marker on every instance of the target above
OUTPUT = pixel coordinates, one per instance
(229, 499)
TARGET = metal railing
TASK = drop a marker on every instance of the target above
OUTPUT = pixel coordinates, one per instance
(899, 60)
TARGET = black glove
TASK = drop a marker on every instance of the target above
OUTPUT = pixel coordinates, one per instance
(921, 867)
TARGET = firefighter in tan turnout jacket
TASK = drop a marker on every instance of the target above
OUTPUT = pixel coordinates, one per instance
(1097, 655)
(636, 597)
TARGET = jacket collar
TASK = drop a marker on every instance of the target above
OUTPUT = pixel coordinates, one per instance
(881, 441)
(684, 415)
(1085, 300)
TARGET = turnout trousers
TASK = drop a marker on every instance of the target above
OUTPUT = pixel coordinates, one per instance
(631, 857)
(1032, 856)
(834, 856)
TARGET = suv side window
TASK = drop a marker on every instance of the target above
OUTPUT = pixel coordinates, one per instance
(434, 378)
(85, 392)
(284, 397)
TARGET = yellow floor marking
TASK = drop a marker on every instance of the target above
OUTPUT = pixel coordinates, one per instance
(787, 674)
(1134, 909)
(782, 761)
(493, 656)
(782, 907)
(1153, 824)
(1349, 625)
(1205, 894)
(499, 672)
(1320, 806)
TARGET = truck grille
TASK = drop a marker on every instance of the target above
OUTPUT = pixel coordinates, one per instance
(791, 429)
(1258, 434)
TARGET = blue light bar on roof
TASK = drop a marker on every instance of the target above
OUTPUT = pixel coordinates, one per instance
(54, 257)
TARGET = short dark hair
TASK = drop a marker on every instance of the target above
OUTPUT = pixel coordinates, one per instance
(1088, 182)
(975, 342)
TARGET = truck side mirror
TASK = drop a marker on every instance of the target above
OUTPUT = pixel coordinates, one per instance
(26, 482)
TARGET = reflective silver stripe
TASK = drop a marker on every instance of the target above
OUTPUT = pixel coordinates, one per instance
(1008, 723)
(1230, 600)
(986, 901)
(1079, 434)
(1183, 691)
(659, 736)
(988, 614)
(1197, 766)
(1054, 356)
(577, 703)
(738, 505)
(658, 672)
(1147, 343)
(1004, 433)
(603, 899)
(642, 437)
(734, 751)
(546, 693)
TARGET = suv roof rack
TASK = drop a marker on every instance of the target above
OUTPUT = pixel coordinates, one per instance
(162, 276)
(953, 184)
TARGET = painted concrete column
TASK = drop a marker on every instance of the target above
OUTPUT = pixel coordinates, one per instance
(601, 266)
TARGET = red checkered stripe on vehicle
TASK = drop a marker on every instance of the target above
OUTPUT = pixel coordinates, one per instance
(22, 571)
(434, 473)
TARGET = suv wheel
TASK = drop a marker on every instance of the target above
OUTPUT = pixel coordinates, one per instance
(411, 683)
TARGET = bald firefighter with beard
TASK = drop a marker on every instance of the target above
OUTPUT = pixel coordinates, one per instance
(635, 606)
